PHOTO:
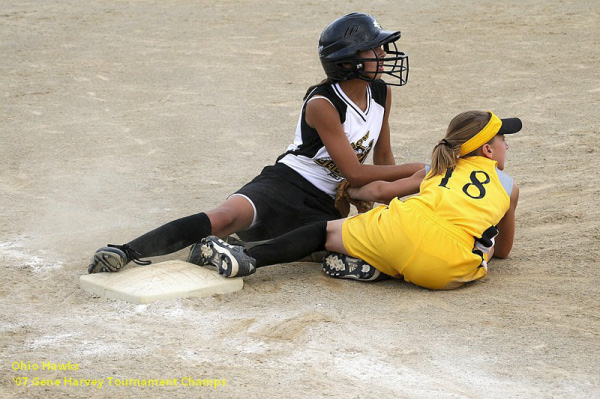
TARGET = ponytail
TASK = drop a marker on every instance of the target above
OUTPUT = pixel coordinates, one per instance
(324, 82)
(447, 151)
(444, 156)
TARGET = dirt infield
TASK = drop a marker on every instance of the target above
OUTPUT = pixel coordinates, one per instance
(119, 116)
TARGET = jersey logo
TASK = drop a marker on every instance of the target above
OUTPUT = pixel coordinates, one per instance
(362, 152)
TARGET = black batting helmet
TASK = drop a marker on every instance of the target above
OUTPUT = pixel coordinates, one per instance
(344, 38)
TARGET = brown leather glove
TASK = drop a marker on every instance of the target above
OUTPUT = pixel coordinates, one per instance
(343, 201)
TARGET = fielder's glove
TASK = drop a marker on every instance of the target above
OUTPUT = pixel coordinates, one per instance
(343, 201)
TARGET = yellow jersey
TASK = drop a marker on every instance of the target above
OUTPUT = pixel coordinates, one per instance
(474, 195)
(435, 239)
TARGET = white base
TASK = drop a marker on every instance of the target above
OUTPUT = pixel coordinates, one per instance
(165, 280)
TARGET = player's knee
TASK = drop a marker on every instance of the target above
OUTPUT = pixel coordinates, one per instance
(226, 220)
(334, 241)
(220, 220)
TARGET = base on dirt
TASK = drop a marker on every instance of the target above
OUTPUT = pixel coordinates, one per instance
(165, 280)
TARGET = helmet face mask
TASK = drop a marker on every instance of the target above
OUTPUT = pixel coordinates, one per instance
(343, 40)
(395, 65)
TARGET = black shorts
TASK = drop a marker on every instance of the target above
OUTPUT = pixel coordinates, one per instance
(284, 201)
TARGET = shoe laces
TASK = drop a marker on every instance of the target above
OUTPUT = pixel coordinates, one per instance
(131, 254)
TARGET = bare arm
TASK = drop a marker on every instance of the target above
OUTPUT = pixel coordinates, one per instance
(382, 153)
(506, 227)
(383, 191)
(323, 117)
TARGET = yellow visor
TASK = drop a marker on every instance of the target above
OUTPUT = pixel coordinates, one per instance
(485, 135)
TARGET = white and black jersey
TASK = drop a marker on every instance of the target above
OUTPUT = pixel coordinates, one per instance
(308, 155)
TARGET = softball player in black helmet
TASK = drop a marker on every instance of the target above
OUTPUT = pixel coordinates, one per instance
(343, 120)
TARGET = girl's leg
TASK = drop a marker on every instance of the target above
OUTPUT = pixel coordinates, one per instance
(235, 214)
(171, 236)
(339, 264)
(163, 240)
(297, 244)
(236, 261)
(334, 237)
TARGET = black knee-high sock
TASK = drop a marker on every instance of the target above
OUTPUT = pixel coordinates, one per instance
(172, 236)
(289, 247)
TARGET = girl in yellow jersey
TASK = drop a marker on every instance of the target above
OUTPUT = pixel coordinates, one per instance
(439, 239)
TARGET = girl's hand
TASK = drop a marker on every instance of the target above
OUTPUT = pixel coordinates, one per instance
(383, 191)
(505, 239)
(343, 201)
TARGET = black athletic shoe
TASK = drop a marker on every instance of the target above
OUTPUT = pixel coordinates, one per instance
(344, 266)
(113, 258)
(195, 255)
(230, 260)
(107, 259)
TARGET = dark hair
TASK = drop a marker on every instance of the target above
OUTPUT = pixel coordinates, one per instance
(463, 127)
(324, 82)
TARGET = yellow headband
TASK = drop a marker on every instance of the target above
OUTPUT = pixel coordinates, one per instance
(485, 135)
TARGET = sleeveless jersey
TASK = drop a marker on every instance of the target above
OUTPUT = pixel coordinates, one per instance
(474, 195)
(308, 155)
(441, 238)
